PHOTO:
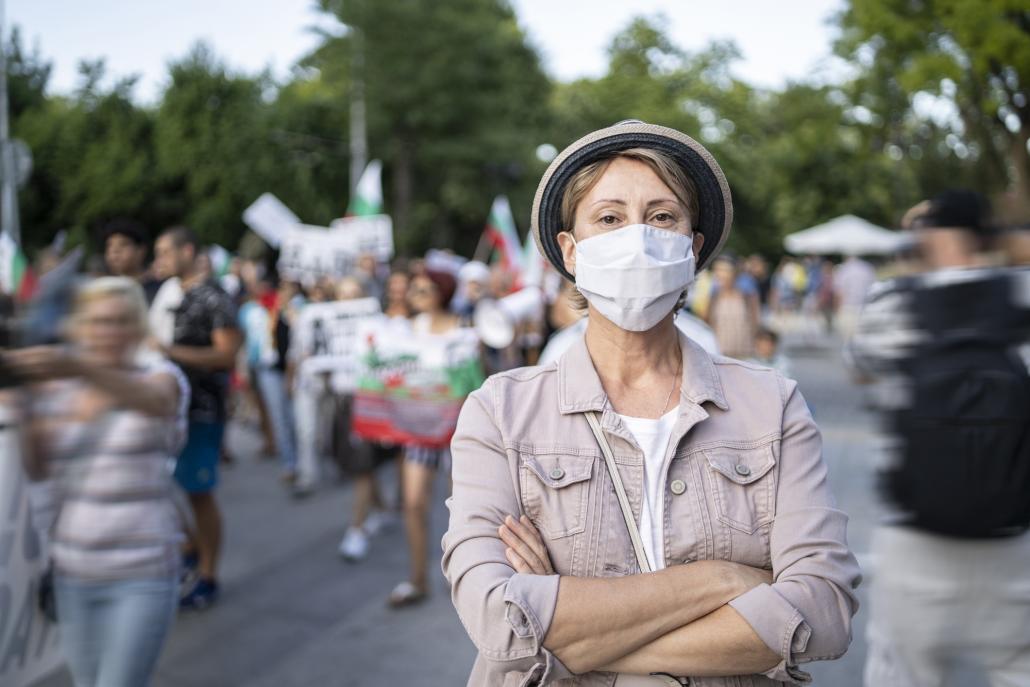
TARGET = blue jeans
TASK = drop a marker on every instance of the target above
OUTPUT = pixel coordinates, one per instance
(112, 632)
(272, 385)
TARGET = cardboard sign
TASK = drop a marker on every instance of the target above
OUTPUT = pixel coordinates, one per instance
(270, 219)
(411, 388)
(308, 252)
(28, 641)
(327, 338)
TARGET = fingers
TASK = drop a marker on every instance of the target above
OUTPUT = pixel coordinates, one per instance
(518, 562)
(524, 528)
(519, 540)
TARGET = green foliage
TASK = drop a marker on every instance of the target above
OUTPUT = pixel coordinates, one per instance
(971, 54)
(457, 104)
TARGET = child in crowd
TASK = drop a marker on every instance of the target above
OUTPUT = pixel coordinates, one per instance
(767, 351)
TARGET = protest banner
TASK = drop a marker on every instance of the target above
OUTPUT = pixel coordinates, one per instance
(411, 389)
(270, 219)
(308, 252)
(326, 338)
(29, 647)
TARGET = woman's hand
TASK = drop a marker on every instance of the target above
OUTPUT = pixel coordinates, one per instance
(41, 363)
(526, 551)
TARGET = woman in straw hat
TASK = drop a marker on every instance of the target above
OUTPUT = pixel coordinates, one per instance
(641, 510)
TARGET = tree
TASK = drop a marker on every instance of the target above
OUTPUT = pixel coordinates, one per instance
(973, 54)
(456, 102)
(307, 130)
(93, 159)
(212, 146)
(793, 158)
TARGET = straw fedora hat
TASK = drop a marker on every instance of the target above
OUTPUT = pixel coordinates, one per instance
(714, 202)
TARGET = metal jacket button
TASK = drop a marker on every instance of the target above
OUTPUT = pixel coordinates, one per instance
(743, 470)
(678, 486)
(557, 473)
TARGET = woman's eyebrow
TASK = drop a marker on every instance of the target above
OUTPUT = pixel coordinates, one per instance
(616, 201)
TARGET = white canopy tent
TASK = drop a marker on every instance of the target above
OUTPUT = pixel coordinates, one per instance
(848, 235)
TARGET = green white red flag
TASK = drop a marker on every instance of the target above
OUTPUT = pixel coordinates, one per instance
(16, 276)
(501, 236)
(368, 194)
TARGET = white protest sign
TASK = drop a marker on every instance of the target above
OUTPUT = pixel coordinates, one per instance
(29, 647)
(308, 252)
(326, 338)
(371, 234)
(270, 219)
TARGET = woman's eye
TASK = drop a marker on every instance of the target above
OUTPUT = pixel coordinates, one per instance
(663, 218)
(609, 219)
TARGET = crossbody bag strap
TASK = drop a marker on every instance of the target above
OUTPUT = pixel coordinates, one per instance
(627, 515)
(620, 492)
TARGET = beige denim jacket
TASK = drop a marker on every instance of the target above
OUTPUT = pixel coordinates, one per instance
(745, 482)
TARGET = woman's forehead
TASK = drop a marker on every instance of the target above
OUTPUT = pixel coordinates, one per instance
(627, 180)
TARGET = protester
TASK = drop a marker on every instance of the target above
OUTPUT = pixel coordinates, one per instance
(368, 273)
(125, 254)
(473, 286)
(825, 295)
(205, 342)
(627, 212)
(757, 268)
(395, 298)
(360, 460)
(851, 283)
(104, 425)
(430, 297)
(732, 313)
(266, 359)
(953, 550)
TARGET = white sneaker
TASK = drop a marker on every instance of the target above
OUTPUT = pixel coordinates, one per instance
(379, 521)
(354, 545)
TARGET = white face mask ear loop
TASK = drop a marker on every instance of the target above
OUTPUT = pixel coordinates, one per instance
(574, 244)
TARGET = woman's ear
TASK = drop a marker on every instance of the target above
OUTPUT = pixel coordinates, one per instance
(567, 243)
(699, 240)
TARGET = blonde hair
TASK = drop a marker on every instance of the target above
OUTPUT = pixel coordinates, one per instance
(664, 166)
(125, 288)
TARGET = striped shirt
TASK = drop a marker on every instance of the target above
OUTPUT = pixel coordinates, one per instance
(117, 517)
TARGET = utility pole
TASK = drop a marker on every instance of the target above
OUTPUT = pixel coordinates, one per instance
(8, 182)
(358, 132)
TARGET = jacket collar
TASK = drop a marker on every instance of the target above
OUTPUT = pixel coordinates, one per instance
(580, 390)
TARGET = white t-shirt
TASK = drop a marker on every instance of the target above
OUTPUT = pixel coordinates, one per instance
(653, 438)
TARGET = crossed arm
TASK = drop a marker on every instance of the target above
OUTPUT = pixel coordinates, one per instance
(673, 621)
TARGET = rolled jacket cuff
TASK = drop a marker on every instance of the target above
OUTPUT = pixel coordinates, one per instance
(780, 626)
(529, 602)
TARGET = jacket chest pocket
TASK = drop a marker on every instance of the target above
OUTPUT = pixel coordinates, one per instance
(555, 492)
(743, 486)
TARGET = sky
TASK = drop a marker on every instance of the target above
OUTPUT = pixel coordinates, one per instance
(779, 41)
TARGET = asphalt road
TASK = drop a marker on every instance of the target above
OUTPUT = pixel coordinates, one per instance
(293, 614)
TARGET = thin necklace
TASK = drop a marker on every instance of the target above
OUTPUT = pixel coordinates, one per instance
(679, 370)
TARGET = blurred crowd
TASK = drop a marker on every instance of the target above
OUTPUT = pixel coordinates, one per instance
(126, 368)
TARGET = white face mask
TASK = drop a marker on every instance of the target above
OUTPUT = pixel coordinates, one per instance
(634, 275)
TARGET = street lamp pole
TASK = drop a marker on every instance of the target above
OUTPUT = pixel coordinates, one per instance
(8, 182)
(358, 133)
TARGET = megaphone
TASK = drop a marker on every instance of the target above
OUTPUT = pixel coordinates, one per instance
(496, 321)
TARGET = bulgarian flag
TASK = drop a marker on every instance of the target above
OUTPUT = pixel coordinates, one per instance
(368, 194)
(220, 260)
(501, 236)
(16, 277)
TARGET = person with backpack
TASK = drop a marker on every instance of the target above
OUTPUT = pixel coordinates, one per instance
(950, 585)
